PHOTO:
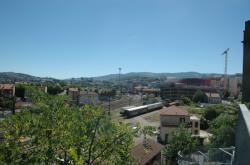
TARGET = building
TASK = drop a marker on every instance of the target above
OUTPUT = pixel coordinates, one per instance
(7, 90)
(171, 118)
(235, 84)
(146, 90)
(174, 91)
(246, 64)
(213, 98)
(195, 122)
(73, 94)
(196, 82)
(217, 82)
(147, 153)
(87, 97)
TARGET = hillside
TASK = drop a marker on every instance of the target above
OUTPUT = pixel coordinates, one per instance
(14, 77)
(6, 77)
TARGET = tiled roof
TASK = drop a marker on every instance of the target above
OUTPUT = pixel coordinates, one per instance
(143, 155)
(7, 86)
(73, 89)
(174, 111)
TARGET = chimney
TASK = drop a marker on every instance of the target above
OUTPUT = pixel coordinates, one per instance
(246, 64)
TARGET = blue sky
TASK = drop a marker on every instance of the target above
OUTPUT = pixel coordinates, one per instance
(79, 38)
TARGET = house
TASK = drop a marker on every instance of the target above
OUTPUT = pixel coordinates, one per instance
(171, 118)
(213, 98)
(195, 123)
(147, 153)
(7, 90)
(73, 94)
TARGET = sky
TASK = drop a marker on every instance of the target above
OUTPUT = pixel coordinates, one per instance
(85, 38)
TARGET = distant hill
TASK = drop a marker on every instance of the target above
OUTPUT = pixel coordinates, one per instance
(6, 77)
(156, 75)
(14, 77)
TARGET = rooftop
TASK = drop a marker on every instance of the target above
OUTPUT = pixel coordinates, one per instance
(174, 111)
(214, 95)
(143, 156)
(7, 86)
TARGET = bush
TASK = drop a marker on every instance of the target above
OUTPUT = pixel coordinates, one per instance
(200, 96)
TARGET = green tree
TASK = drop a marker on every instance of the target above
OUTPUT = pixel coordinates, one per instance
(200, 96)
(185, 100)
(181, 141)
(55, 131)
(223, 129)
(226, 94)
(20, 91)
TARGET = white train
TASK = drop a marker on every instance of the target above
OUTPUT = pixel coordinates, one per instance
(134, 111)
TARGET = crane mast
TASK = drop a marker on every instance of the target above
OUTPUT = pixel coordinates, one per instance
(225, 73)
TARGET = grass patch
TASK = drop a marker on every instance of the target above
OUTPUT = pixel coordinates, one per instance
(194, 110)
(153, 118)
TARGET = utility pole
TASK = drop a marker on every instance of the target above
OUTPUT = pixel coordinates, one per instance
(226, 83)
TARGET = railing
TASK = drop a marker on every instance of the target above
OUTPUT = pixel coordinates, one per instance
(215, 156)
(242, 151)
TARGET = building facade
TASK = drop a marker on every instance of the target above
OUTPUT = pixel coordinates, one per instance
(171, 118)
(246, 64)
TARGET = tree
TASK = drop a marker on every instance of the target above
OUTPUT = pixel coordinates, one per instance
(55, 89)
(226, 94)
(181, 141)
(20, 91)
(58, 133)
(223, 128)
(185, 100)
(200, 96)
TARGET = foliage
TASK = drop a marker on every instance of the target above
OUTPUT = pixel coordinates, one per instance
(5, 101)
(223, 129)
(212, 112)
(194, 110)
(226, 94)
(55, 89)
(248, 105)
(200, 96)
(181, 141)
(61, 132)
(19, 91)
(185, 100)
(204, 124)
(107, 94)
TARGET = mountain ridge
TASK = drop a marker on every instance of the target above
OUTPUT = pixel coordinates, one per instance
(13, 76)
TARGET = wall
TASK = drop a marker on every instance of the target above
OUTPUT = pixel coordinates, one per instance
(242, 146)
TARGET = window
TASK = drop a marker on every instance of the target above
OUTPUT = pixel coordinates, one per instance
(196, 124)
(182, 120)
(196, 132)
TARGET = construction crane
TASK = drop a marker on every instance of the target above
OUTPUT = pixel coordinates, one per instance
(226, 63)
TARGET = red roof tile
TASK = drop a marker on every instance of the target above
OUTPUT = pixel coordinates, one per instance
(174, 111)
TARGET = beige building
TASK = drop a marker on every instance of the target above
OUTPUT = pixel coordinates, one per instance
(213, 98)
(7, 90)
(171, 118)
(74, 94)
(195, 123)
